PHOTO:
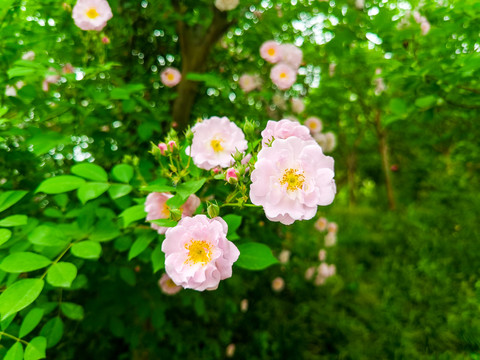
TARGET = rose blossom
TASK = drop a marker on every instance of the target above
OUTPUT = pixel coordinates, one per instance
(283, 129)
(332, 227)
(321, 224)
(10, 90)
(163, 148)
(198, 254)
(50, 79)
(331, 141)
(156, 208)
(29, 56)
(324, 271)
(168, 286)
(284, 256)
(425, 26)
(330, 239)
(226, 5)
(91, 14)
(170, 76)
(278, 284)
(270, 51)
(298, 106)
(279, 101)
(214, 142)
(314, 124)
(231, 175)
(322, 255)
(309, 273)
(68, 69)
(331, 69)
(283, 76)
(244, 305)
(248, 82)
(291, 178)
(230, 350)
(291, 55)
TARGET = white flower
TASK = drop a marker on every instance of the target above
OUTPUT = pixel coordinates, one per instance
(226, 5)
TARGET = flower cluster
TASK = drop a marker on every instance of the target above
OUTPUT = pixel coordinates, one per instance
(322, 224)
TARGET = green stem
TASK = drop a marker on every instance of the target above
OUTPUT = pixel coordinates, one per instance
(13, 337)
(58, 258)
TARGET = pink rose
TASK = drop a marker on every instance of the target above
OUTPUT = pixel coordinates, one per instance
(330, 239)
(91, 14)
(278, 284)
(198, 254)
(298, 106)
(170, 77)
(163, 147)
(168, 286)
(291, 55)
(314, 124)
(283, 76)
(214, 142)
(322, 255)
(321, 224)
(248, 82)
(231, 176)
(156, 208)
(291, 179)
(270, 51)
(283, 129)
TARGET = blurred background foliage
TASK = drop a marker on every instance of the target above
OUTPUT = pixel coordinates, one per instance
(407, 167)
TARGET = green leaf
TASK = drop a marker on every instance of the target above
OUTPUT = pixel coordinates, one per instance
(62, 274)
(255, 256)
(132, 214)
(53, 331)
(426, 101)
(128, 275)
(8, 198)
(164, 222)
(19, 71)
(24, 262)
(210, 79)
(5, 235)
(158, 188)
(4, 324)
(36, 348)
(398, 106)
(90, 171)
(190, 187)
(72, 311)
(15, 352)
(118, 190)
(122, 173)
(158, 259)
(19, 295)
(46, 235)
(139, 246)
(60, 184)
(14, 220)
(233, 221)
(105, 230)
(91, 190)
(87, 250)
(176, 201)
(30, 321)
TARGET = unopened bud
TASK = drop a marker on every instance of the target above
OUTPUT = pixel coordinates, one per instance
(213, 210)
(189, 134)
(172, 144)
(175, 214)
(238, 156)
(249, 128)
(106, 40)
(231, 176)
(163, 148)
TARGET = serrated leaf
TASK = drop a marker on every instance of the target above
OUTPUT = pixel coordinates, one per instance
(255, 256)
(90, 171)
(14, 220)
(62, 274)
(87, 250)
(30, 321)
(60, 184)
(15, 352)
(139, 246)
(122, 173)
(46, 235)
(9, 198)
(24, 262)
(91, 190)
(133, 213)
(72, 311)
(158, 259)
(36, 348)
(118, 190)
(5, 235)
(53, 331)
(19, 295)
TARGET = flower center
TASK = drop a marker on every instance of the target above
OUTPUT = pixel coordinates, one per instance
(216, 145)
(293, 179)
(199, 251)
(170, 77)
(92, 13)
(271, 51)
(283, 75)
(165, 211)
(313, 125)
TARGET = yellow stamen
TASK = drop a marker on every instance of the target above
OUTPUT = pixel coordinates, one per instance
(170, 77)
(92, 13)
(283, 75)
(271, 51)
(313, 125)
(216, 145)
(199, 251)
(165, 211)
(293, 179)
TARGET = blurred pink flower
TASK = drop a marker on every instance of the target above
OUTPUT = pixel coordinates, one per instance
(156, 208)
(230, 350)
(331, 69)
(283, 76)
(322, 255)
(330, 141)
(106, 40)
(91, 14)
(309, 273)
(298, 106)
(284, 129)
(314, 124)
(332, 227)
(278, 284)
(291, 178)
(330, 239)
(214, 142)
(198, 254)
(270, 51)
(425, 26)
(284, 256)
(291, 55)
(68, 69)
(10, 90)
(29, 55)
(248, 82)
(172, 144)
(226, 5)
(170, 76)
(324, 271)
(244, 305)
(163, 147)
(168, 286)
(321, 224)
